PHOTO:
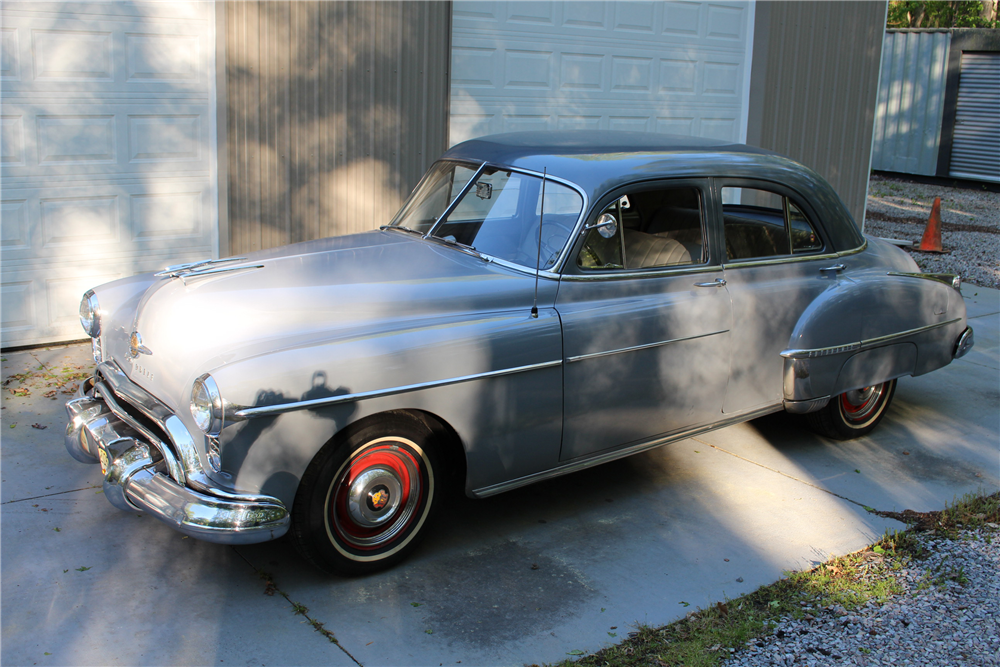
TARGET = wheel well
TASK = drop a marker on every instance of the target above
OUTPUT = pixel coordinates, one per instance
(445, 437)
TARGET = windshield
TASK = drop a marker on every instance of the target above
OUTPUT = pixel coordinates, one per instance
(498, 215)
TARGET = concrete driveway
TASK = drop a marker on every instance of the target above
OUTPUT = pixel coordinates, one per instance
(528, 576)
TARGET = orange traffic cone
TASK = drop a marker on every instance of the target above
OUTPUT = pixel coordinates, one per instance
(931, 242)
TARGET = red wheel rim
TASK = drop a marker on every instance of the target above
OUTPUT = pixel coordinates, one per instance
(376, 495)
(859, 405)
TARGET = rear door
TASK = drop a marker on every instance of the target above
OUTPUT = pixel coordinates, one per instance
(776, 263)
(646, 320)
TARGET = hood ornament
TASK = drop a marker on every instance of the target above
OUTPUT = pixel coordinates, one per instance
(135, 346)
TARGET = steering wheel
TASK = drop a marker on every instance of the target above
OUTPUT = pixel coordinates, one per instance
(554, 237)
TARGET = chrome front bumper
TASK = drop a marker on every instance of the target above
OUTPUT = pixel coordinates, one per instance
(139, 473)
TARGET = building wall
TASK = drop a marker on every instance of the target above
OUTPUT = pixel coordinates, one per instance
(335, 109)
(814, 85)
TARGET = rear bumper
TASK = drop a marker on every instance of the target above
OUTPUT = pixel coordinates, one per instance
(138, 475)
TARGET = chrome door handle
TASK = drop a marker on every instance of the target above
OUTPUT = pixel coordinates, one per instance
(718, 282)
(835, 267)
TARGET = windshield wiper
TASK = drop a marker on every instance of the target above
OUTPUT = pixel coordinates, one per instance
(467, 249)
(402, 229)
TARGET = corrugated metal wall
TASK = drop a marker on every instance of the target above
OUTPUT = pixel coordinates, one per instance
(911, 101)
(976, 148)
(814, 86)
(335, 109)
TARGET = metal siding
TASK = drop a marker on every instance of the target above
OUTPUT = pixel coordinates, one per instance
(976, 150)
(910, 102)
(336, 110)
(819, 84)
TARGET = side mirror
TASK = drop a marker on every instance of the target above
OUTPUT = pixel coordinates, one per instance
(606, 225)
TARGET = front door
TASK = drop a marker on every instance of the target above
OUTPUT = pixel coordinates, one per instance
(646, 321)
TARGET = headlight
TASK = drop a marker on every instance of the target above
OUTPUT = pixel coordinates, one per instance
(206, 405)
(90, 314)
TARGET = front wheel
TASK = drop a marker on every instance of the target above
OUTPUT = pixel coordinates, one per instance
(363, 503)
(854, 413)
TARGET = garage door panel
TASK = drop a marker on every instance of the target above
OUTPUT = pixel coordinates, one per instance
(698, 23)
(96, 53)
(471, 118)
(103, 138)
(523, 70)
(106, 152)
(113, 219)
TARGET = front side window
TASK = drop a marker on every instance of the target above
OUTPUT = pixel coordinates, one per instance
(500, 214)
(652, 228)
(760, 223)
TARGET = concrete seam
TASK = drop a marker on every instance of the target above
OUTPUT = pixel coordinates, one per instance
(49, 495)
(297, 608)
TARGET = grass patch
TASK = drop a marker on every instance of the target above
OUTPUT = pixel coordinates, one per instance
(707, 636)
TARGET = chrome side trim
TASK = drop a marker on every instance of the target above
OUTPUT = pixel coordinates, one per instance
(820, 351)
(882, 340)
(635, 348)
(863, 344)
(660, 272)
(574, 466)
(944, 278)
(784, 259)
(264, 410)
(792, 259)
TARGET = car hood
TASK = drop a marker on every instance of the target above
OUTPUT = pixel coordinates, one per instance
(298, 295)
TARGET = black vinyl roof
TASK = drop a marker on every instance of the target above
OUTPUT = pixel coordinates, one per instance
(600, 161)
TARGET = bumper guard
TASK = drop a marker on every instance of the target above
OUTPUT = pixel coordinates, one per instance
(136, 477)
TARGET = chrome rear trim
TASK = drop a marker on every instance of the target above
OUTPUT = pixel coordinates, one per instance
(863, 344)
(264, 410)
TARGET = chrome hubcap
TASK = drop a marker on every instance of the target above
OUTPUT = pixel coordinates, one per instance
(374, 497)
(859, 404)
(376, 494)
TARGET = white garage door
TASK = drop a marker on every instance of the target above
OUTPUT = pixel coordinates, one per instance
(107, 152)
(674, 67)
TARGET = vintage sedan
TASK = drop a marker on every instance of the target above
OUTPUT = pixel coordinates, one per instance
(543, 302)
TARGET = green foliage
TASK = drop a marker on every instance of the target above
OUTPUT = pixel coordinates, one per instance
(707, 637)
(942, 14)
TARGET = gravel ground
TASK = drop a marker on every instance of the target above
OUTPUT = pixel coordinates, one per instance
(970, 219)
(948, 614)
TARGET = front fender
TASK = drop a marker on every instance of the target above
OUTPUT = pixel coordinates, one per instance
(496, 378)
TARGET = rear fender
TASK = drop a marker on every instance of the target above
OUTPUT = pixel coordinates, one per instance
(872, 327)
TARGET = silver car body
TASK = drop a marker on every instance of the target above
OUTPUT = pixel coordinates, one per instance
(304, 340)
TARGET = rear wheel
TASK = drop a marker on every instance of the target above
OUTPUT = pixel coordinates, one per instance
(854, 413)
(364, 502)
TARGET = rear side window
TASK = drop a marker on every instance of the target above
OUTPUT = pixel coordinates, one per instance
(760, 223)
